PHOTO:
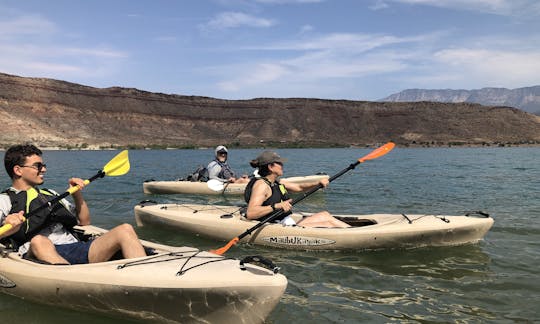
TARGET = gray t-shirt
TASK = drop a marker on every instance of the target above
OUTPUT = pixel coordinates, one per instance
(220, 171)
(213, 171)
(56, 232)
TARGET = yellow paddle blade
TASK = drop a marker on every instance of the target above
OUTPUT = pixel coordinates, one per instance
(118, 166)
(378, 152)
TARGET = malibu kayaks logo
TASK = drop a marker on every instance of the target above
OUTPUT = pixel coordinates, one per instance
(297, 240)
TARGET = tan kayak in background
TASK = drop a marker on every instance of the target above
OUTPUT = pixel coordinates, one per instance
(377, 231)
(172, 285)
(206, 188)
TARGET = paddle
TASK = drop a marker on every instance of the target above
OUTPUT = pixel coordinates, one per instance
(216, 185)
(118, 166)
(373, 155)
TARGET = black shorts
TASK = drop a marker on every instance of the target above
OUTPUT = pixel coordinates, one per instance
(74, 253)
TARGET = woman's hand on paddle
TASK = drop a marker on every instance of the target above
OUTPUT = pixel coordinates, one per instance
(285, 205)
(324, 182)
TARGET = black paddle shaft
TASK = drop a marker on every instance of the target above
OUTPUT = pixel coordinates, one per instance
(56, 199)
(296, 200)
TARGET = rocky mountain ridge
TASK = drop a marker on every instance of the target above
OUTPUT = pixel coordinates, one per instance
(526, 99)
(57, 113)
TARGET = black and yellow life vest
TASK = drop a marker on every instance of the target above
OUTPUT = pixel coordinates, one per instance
(279, 194)
(28, 201)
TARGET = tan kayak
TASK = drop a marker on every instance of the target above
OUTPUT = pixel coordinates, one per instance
(174, 285)
(375, 231)
(203, 188)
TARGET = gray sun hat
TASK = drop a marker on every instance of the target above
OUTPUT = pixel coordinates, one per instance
(265, 158)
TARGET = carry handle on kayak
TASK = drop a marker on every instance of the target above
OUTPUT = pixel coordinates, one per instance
(118, 166)
(373, 155)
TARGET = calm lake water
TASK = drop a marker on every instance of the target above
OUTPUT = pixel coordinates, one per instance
(495, 281)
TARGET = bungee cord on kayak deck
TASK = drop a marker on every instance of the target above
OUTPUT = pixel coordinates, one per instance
(203, 208)
(173, 256)
(446, 220)
(158, 258)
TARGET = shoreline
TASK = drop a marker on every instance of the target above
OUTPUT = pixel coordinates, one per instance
(403, 146)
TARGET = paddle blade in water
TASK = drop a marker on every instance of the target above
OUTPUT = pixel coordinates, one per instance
(215, 185)
(118, 166)
(378, 152)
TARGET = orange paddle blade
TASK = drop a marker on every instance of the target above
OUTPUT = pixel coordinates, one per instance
(378, 152)
(224, 249)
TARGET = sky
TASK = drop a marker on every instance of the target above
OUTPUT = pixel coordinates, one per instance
(240, 49)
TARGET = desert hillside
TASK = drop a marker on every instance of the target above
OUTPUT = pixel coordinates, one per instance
(57, 113)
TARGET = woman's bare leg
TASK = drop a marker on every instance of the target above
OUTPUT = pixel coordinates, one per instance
(322, 219)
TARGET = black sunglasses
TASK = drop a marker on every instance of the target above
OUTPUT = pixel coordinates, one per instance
(38, 166)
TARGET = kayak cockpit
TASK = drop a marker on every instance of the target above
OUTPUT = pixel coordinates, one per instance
(357, 221)
(8, 246)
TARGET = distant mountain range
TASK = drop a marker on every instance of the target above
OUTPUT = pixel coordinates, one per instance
(526, 99)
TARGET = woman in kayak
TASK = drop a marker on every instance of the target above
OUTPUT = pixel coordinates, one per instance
(220, 170)
(266, 194)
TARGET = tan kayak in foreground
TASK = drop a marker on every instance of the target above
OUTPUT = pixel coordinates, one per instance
(172, 285)
(375, 231)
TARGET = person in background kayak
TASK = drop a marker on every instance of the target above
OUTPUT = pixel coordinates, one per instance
(267, 194)
(220, 170)
(47, 235)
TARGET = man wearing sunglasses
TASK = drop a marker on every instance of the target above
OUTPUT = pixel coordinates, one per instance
(220, 170)
(47, 234)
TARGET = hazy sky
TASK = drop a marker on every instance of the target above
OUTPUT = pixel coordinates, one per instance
(240, 49)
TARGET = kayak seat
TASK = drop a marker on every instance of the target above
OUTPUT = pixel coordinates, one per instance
(149, 251)
(118, 255)
(80, 234)
(357, 222)
(9, 244)
(29, 257)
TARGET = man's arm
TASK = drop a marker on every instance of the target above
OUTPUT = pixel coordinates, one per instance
(81, 208)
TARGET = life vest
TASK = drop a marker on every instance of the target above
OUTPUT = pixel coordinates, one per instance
(226, 172)
(28, 201)
(279, 194)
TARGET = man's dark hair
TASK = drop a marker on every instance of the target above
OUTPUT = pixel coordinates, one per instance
(17, 154)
